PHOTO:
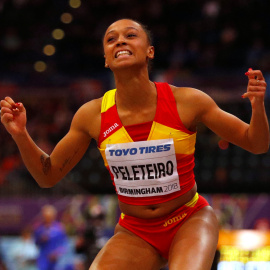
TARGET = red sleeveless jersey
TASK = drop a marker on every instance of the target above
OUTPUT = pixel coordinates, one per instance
(153, 171)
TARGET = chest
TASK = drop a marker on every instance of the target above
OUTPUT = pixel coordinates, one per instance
(133, 117)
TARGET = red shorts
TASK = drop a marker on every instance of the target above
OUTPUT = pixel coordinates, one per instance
(159, 232)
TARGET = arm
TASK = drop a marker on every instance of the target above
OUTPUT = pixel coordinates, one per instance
(46, 169)
(194, 107)
(253, 137)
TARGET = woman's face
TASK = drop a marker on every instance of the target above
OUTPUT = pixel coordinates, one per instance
(126, 44)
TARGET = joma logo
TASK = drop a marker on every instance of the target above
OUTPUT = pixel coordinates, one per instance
(110, 129)
(174, 219)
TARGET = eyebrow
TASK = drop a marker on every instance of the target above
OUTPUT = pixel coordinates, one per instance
(127, 28)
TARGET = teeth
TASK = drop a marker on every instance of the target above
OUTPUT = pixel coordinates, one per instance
(123, 52)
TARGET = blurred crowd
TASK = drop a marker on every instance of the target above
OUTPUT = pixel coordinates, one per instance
(61, 240)
(197, 36)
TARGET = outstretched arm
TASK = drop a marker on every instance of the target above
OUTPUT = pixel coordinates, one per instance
(254, 136)
(46, 169)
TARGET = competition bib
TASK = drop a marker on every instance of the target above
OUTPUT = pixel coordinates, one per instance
(143, 169)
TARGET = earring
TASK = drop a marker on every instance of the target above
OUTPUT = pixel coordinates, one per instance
(106, 65)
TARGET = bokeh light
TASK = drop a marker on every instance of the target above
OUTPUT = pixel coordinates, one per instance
(40, 66)
(49, 50)
(66, 18)
(58, 34)
(223, 144)
(75, 3)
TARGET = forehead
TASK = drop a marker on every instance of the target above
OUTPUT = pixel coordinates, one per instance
(123, 24)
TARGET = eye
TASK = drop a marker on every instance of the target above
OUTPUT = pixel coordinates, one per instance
(109, 39)
(131, 35)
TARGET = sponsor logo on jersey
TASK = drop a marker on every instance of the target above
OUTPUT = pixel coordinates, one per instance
(140, 150)
(174, 219)
(110, 129)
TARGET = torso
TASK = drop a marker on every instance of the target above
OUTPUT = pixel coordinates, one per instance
(128, 118)
(157, 210)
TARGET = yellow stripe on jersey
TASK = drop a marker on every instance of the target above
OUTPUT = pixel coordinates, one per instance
(184, 143)
(193, 201)
(119, 136)
(108, 100)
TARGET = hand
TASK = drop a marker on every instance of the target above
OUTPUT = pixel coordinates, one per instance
(13, 116)
(256, 86)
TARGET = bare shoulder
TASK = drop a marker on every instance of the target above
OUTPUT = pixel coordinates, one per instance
(192, 105)
(91, 107)
(88, 117)
(197, 99)
(189, 94)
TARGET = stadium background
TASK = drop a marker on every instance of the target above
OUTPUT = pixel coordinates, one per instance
(51, 60)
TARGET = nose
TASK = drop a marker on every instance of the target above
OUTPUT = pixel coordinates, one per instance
(121, 41)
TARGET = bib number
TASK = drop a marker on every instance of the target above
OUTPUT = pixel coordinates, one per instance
(143, 169)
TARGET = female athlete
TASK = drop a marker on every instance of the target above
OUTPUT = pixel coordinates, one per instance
(146, 134)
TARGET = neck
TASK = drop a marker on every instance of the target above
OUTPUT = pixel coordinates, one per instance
(134, 90)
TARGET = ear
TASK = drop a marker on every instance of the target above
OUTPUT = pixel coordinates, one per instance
(106, 65)
(151, 52)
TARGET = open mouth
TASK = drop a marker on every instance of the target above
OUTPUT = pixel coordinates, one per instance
(124, 52)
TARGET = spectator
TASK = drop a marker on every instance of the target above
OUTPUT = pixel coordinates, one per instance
(51, 239)
(25, 252)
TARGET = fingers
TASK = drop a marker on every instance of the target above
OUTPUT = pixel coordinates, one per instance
(6, 117)
(9, 109)
(250, 94)
(8, 103)
(254, 74)
(256, 84)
